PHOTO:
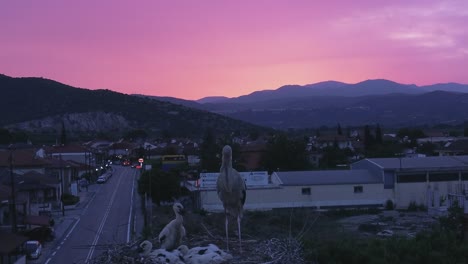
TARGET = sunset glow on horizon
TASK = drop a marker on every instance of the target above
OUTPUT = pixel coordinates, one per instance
(194, 49)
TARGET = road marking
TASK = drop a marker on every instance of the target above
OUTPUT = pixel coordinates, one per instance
(103, 221)
(92, 198)
(131, 209)
(71, 230)
(68, 234)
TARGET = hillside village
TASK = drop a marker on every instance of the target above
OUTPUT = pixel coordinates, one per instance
(41, 180)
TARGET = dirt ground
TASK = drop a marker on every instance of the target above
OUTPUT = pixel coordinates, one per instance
(273, 236)
(389, 223)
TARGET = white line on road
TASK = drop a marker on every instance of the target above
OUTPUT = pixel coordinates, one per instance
(131, 209)
(101, 226)
(68, 234)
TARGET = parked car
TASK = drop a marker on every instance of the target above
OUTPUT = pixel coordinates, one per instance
(33, 249)
(102, 179)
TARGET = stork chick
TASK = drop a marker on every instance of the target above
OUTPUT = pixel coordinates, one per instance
(172, 234)
(210, 254)
(231, 190)
(161, 255)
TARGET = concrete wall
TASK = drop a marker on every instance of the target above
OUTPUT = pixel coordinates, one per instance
(291, 196)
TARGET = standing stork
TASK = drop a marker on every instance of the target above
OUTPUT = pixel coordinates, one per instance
(231, 190)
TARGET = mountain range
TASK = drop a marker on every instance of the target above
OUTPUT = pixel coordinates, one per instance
(328, 103)
(41, 104)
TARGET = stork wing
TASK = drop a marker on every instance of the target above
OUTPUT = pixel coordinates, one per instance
(163, 235)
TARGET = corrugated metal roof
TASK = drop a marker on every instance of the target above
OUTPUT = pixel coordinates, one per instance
(422, 162)
(327, 177)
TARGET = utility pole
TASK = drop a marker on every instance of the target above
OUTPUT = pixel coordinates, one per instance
(62, 185)
(13, 195)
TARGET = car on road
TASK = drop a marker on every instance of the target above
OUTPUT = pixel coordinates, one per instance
(33, 249)
(102, 179)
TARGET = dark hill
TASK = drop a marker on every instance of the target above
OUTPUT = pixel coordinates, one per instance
(27, 99)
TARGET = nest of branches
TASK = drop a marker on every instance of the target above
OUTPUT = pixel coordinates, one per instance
(282, 251)
(268, 246)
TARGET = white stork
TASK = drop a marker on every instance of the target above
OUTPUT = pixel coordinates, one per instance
(231, 190)
(172, 234)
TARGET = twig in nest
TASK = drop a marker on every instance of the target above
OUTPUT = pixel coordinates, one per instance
(206, 229)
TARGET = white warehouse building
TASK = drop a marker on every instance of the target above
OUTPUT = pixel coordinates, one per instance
(369, 183)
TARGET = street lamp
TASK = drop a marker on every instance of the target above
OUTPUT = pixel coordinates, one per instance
(62, 185)
(400, 156)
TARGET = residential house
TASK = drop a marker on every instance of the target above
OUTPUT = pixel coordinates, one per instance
(121, 149)
(341, 141)
(42, 192)
(5, 196)
(22, 160)
(454, 148)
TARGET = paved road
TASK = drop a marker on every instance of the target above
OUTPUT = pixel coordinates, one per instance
(106, 219)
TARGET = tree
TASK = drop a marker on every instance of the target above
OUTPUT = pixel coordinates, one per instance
(411, 135)
(338, 130)
(160, 185)
(210, 159)
(333, 156)
(5, 136)
(136, 134)
(427, 148)
(465, 129)
(368, 138)
(285, 154)
(378, 135)
(63, 135)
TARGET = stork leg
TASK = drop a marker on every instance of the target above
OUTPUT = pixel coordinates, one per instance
(239, 230)
(227, 236)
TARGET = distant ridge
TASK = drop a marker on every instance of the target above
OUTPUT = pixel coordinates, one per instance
(212, 99)
(334, 88)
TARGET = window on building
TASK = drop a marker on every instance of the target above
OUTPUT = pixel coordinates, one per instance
(464, 176)
(305, 191)
(443, 177)
(358, 189)
(411, 178)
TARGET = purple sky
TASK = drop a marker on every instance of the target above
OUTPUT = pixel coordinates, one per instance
(192, 49)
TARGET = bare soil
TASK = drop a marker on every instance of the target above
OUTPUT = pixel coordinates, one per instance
(275, 236)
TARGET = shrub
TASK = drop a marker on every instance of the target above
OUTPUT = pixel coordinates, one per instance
(69, 199)
(413, 206)
(389, 205)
